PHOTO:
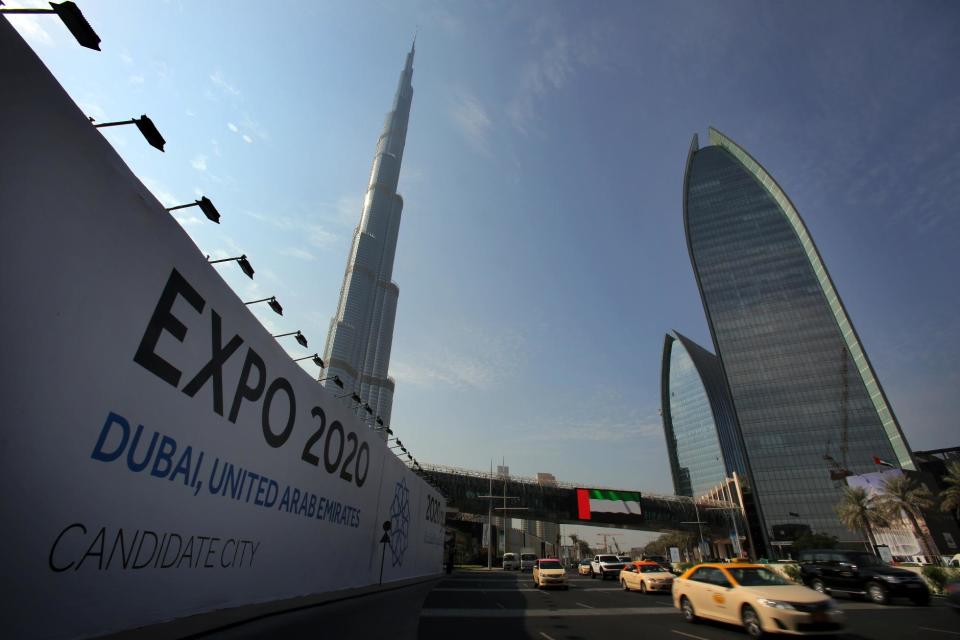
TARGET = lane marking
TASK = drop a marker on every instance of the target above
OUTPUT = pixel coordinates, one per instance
(502, 589)
(466, 579)
(546, 636)
(586, 606)
(953, 633)
(869, 606)
(543, 613)
(688, 635)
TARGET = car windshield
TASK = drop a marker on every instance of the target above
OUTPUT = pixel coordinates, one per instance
(650, 568)
(550, 564)
(584, 562)
(864, 560)
(756, 577)
(509, 556)
(609, 559)
(528, 556)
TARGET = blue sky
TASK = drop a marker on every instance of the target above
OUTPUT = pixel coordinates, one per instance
(541, 256)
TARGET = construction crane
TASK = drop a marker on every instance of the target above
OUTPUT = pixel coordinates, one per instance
(606, 546)
(838, 470)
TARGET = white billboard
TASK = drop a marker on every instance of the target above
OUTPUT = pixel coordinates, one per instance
(161, 455)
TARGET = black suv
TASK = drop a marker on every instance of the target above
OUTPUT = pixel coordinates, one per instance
(860, 573)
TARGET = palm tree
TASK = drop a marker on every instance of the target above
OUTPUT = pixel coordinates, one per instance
(950, 497)
(859, 510)
(899, 494)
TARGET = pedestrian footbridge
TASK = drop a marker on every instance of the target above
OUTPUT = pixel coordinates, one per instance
(560, 502)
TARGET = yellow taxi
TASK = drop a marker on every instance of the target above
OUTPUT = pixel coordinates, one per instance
(756, 598)
(548, 572)
(645, 576)
(584, 568)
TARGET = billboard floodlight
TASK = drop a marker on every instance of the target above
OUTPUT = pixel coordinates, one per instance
(302, 339)
(205, 205)
(241, 260)
(315, 357)
(336, 380)
(146, 127)
(272, 301)
(72, 18)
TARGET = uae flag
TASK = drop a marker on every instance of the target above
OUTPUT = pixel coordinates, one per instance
(611, 505)
(883, 463)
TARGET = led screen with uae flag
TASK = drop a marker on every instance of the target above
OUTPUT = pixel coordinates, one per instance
(609, 506)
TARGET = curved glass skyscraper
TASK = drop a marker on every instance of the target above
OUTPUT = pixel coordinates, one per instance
(698, 418)
(361, 334)
(807, 401)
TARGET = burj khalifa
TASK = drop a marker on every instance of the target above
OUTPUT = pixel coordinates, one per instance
(361, 332)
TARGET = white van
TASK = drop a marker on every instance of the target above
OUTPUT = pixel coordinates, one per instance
(510, 562)
(527, 560)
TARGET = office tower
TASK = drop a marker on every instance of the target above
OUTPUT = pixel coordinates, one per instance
(361, 333)
(703, 440)
(809, 406)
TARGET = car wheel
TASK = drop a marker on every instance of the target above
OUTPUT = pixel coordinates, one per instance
(751, 622)
(643, 587)
(686, 608)
(592, 574)
(876, 593)
(920, 601)
(817, 585)
(623, 583)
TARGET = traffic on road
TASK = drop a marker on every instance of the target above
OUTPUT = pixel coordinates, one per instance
(507, 605)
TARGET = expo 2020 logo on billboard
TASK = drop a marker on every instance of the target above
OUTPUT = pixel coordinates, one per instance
(399, 521)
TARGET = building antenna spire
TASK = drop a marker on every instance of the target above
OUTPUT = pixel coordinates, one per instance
(413, 47)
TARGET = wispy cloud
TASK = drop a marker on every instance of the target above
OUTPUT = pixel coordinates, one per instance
(321, 237)
(316, 234)
(347, 210)
(136, 79)
(221, 83)
(297, 252)
(473, 121)
(30, 27)
(612, 429)
(92, 109)
(602, 416)
(556, 58)
(199, 162)
(248, 127)
(252, 126)
(488, 358)
(160, 191)
(188, 221)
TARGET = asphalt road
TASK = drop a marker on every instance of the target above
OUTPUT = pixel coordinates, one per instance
(504, 605)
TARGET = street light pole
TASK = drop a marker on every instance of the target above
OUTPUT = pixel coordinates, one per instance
(490, 522)
(490, 498)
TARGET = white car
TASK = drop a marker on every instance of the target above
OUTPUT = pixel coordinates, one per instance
(527, 560)
(606, 565)
(511, 562)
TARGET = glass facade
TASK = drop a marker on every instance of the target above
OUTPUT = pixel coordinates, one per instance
(698, 419)
(797, 374)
